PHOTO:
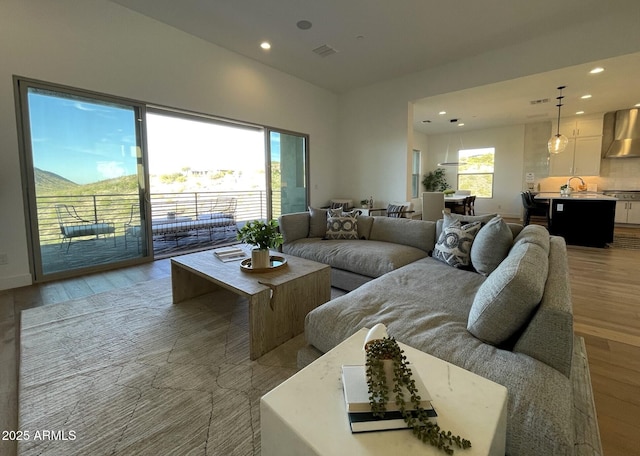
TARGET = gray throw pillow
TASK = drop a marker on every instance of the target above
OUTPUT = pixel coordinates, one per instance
(317, 222)
(508, 297)
(491, 246)
(450, 218)
(454, 244)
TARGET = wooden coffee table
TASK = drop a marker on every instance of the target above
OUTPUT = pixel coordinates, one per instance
(306, 414)
(279, 300)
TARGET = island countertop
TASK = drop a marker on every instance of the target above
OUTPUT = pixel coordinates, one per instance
(575, 196)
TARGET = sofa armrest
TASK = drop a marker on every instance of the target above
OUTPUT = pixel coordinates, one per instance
(294, 226)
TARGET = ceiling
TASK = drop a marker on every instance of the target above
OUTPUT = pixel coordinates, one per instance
(510, 102)
(376, 40)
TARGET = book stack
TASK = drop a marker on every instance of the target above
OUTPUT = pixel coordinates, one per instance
(356, 395)
(230, 254)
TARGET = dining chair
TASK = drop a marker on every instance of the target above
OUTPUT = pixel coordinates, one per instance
(432, 206)
(471, 206)
(533, 208)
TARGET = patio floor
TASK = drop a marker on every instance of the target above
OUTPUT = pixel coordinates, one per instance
(92, 252)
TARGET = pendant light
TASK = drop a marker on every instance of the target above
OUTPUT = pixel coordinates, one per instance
(446, 161)
(557, 143)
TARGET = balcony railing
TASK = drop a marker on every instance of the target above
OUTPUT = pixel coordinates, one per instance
(117, 208)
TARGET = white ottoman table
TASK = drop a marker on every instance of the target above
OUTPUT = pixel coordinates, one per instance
(305, 415)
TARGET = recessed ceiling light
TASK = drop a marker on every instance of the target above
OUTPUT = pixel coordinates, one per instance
(304, 25)
(637, 105)
(265, 45)
(586, 97)
(442, 113)
(597, 70)
(579, 112)
(461, 124)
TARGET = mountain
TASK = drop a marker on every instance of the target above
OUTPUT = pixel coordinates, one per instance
(46, 181)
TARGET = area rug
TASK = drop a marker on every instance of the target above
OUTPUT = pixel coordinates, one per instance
(625, 242)
(128, 373)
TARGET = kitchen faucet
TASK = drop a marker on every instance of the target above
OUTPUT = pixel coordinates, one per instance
(576, 177)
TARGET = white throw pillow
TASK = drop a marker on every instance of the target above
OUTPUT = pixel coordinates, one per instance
(454, 244)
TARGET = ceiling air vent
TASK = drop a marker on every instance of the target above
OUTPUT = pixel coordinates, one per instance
(540, 101)
(325, 50)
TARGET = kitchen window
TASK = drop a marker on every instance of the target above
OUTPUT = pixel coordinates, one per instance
(475, 171)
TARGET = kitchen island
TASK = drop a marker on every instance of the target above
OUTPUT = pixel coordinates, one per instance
(582, 218)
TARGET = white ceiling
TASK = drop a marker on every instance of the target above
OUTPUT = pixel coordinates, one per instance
(378, 40)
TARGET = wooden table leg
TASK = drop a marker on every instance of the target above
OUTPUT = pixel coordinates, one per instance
(186, 284)
(277, 314)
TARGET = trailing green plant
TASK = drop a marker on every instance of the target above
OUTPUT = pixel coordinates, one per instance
(417, 418)
(263, 235)
(435, 181)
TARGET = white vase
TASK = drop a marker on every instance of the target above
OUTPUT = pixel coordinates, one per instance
(379, 331)
(260, 259)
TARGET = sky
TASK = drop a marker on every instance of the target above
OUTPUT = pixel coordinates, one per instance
(176, 143)
(80, 140)
(88, 141)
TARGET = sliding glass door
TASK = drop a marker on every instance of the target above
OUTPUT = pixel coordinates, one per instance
(93, 203)
(289, 176)
(84, 164)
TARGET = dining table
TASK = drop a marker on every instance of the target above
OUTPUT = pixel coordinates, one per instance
(454, 201)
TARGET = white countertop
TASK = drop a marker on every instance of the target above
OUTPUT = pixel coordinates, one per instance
(576, 196)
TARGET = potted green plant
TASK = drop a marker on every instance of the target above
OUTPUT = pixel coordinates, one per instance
(565, 190)
(435, 181)
(364, 203)
(263, 236)
(387, 372)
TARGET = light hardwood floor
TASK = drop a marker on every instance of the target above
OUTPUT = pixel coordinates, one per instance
(606, 299)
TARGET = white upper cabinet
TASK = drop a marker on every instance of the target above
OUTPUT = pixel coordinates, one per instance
(582, 155)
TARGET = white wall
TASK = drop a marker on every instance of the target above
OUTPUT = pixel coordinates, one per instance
(103, 47)
(373, 120)
(509, 153)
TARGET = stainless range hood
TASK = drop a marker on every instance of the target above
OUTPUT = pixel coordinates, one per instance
(621, 134)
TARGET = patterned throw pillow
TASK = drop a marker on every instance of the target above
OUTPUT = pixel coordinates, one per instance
(339, 227)
(396, 211)
(454, 244)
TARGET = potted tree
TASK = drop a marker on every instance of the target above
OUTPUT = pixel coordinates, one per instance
(435, 181)
(263, 235)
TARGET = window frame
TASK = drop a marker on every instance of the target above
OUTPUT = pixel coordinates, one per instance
(416, 164)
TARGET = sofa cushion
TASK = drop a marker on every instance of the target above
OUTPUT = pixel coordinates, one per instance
(365, 222)
(416, 233)
(365, 257)
(317, 222)
(505, 301)
(450, 218)
(534, 234)
(341, 228)
(491, 246)
(454, 245)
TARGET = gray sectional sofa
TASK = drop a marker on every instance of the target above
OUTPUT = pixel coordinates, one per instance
(512, 323)
(379, 247)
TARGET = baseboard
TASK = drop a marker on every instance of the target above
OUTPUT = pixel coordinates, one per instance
(7, 283)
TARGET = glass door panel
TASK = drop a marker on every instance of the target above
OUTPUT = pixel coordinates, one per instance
(288, 173)
(84, 164)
